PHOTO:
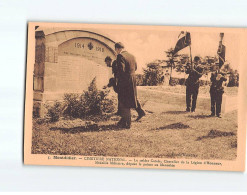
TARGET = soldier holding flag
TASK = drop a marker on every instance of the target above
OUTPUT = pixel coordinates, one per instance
(195, 72)
(217, 78)
(192, 84)
(216, 91)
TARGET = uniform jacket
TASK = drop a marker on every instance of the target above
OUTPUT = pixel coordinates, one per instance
(114, 69)
(216, 85)
(194, 75)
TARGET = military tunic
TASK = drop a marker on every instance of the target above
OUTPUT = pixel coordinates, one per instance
(216, 92)
(192, 87)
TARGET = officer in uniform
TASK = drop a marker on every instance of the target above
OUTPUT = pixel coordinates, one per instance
(113, 81)
(127, 92)
(113, 65)
(192, 84)
(216, 91)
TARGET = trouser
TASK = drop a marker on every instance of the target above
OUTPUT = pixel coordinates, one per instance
(138, 109)
(216, 101)
(191, 91)
(125, 115)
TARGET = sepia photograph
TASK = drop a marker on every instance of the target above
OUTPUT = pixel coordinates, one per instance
(134, 96)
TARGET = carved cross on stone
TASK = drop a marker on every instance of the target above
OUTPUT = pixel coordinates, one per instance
(90, 46)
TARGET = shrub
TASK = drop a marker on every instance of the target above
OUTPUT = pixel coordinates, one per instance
(91, 102)
(139, 80)
(153, 75)
(174, 81)
(233, 80)
(72, 105)
(203, 82)
(54, 112)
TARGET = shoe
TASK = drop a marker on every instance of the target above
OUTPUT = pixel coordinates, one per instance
(212, 114)
(219, 116)
(121, 123)
(187, 109)
(142, 114)
(192, 110)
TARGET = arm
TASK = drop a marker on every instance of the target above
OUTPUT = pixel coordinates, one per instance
(223, 78)
(135, 64)
(212, 78)
(120, 63)
(198, 73)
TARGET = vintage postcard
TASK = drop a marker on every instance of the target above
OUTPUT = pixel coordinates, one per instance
(136, 96)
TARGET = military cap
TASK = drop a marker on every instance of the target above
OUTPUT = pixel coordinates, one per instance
(119, 45)
(196, 58)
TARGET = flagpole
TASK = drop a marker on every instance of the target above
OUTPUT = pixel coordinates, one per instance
(191, 57)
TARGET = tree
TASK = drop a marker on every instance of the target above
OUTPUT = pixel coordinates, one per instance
(171, 60)
(153, 74)
(182, 62)
(233, 76)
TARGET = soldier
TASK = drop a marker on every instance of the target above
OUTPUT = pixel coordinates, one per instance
(113, 81)
(216, 91)
(126, 85)
(192, 84)
(113, 65)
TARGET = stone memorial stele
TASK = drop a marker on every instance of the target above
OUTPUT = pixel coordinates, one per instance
(66, 61)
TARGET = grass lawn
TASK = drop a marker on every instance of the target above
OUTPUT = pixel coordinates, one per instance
(165, 132)
(203, 90)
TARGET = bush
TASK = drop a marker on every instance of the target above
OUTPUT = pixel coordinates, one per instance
(72, 105)
(54, 112)
(139, 80)
(153, 75)
(174, 81)
(91, 102)
(177, 81)
(233, 80)
(203, 82)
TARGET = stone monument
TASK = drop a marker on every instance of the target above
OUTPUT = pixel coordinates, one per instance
(66, 61)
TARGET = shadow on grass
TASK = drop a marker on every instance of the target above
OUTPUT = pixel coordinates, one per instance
(214, 134)
(199, 116)
(92, 128)
(148, 111)
(174, 112)
(173, 126)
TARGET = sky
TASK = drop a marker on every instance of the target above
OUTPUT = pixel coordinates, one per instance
(147, 45)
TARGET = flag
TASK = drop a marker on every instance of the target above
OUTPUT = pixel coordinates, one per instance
(182, 43)
(221, 53)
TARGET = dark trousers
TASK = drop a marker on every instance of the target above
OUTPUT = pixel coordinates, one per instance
(125, 115)
(138, 109)
(191, 91)
(216, 101)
